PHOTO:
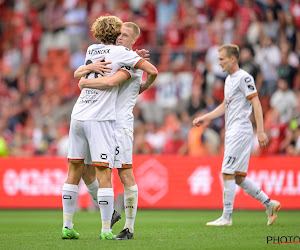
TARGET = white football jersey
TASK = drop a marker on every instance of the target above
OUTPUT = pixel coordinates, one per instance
(239, 89)
(127, 96)
(99, 105)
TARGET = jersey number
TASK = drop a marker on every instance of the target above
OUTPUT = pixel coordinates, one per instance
(231, 160)
(95, 74)
(117, 150)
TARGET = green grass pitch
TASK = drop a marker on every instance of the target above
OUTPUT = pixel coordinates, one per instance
(154, 229)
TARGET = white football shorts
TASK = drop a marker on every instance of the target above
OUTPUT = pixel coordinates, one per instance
(92, 142)
(124, 144)
(237, 153)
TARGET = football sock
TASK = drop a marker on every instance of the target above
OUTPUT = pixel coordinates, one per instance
(253, 189)
(93, 189)
(228, 198)
(69, 198)
(106, 205)
(130, 204)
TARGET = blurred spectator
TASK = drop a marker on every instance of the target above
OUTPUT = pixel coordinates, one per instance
(211, 104)
(155, 137)
(197, 146)
(285, 70)
(268, 58)
(276, 8)
(149, 12)
(185, 124)
(174, 87)
(174, 144)
(248, 64)
(230, 7)
(53, 22)
(196, 102)
(174, 33)
(75, 24)
(276, 132)
(270, 25)
(255, 30)
(284, 100)
(295, 11)
(11, 64)
(165, 10)
(214, 70)
(247, 12)
(222, 26)
(291, 144)
(203, 141)
(290, 30)
(78, 56)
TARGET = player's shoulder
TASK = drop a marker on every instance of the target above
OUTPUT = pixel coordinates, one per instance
(93, 47)
(245, 76)
(124, 50)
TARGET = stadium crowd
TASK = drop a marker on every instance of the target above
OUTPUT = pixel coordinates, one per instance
(44, 41)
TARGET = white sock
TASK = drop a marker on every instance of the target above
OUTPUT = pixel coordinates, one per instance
(93, 189)
(69, 198)
(106, 205)
(130, 204)
(253, 189)
(228, 198)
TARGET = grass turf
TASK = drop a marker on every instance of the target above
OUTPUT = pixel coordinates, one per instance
(154, 229)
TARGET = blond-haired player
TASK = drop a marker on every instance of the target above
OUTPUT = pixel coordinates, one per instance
(130, 79)
(240, 96)
(91, 136)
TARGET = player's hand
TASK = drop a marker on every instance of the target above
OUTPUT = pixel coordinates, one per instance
(143, 53)
(100, 66)
(80, 83)
(199, 121)
(262, 139)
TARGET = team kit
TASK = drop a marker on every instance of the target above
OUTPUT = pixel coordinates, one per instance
(101, 128)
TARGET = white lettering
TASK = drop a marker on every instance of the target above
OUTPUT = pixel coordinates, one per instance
(281, 182)
(200, 181)
(34, 182)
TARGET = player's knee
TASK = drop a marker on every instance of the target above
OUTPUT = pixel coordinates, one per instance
(89, 174)
(87, 178)
(74, 173)
(239, 179)
(227, 177)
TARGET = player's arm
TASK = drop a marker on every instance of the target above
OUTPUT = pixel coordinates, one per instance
(99, 66)
(258, 114)
(152, 73)
(143, 53)
(218, 111)
(104, 82)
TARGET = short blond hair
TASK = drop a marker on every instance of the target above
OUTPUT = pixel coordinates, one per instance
(106, 29)
(134, 27)
(231, 50)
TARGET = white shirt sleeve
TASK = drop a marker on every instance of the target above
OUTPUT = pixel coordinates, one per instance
(247, 86)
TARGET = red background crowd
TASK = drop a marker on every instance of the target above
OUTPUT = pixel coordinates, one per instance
(43, 42)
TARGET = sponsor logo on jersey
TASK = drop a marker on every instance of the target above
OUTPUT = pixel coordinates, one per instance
(250, 87)
(126, 67)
